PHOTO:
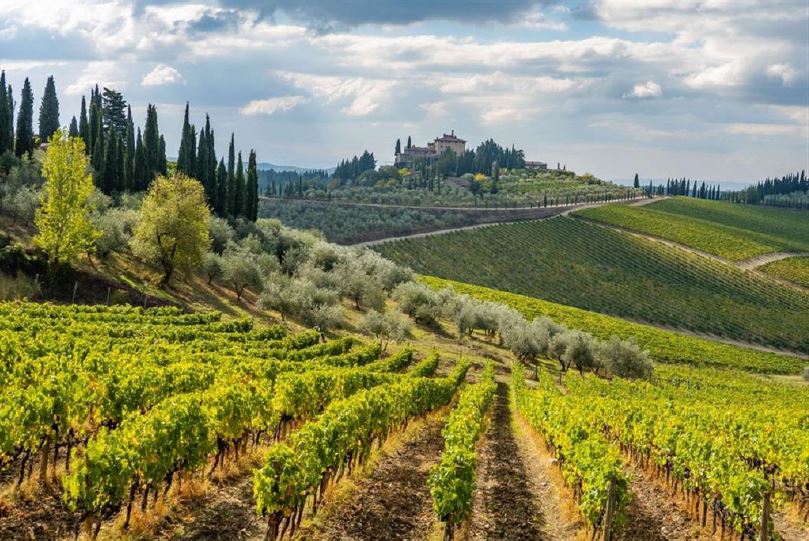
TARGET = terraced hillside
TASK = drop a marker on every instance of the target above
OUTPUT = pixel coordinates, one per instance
(572, 262)
(734, 232)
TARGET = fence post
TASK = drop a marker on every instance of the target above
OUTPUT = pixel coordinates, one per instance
(75, 287)
(764, 528)
(610, 511)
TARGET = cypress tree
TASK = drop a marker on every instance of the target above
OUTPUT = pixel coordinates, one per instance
(10, 108)
(398, 149)
(409, 144)
(239, 187)
(24, 142)
(251, 192)
(99, 150)
(6, 142)
(231, 197)
(141, 165)
(93, 122)
(162, 161)
(221, 188)
(201, 161)
(151, 144)
(192, 151)
(48, 111)
(114, 106)
(73, 131)
(637, 181)
(128, 168)
(84, 126)
(182, 154)
(109, 174)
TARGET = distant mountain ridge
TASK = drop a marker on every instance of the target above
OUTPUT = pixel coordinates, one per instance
(266, 166)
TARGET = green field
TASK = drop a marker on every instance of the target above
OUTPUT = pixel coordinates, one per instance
(734, 232)
(792, 269)
(664, 346)
(572, 262)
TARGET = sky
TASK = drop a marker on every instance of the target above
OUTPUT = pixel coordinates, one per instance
(707, 89)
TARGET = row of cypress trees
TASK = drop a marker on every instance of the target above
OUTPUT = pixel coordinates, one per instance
(123, 158)
(230, 192)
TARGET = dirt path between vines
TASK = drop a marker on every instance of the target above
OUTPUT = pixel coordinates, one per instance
(755, 262)
(507, 497)
(393, 501)
(653, 515)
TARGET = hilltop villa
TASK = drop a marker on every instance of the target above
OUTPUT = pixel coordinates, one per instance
(433, 150)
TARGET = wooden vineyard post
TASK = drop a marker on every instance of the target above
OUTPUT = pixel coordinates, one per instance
(764, 528)
(75, 287)
(609, 512)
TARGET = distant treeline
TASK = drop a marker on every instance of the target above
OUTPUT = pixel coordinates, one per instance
(685, 187)
(290, 184)
(791, 190)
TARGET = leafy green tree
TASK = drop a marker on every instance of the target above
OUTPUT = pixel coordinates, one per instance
(172, 229)
(24, 143)
(63, 218)
(48, 111)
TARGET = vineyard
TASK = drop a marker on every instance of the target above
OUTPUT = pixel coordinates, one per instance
(785, 225)
(731, 242)
(791, 269)
(569, 261)
(120, 404)
(734, 448)
(665, 346)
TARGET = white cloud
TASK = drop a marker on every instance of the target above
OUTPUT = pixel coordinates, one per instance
(765, 129)
(785, 72)
(366, 94)
(162, 75)
(103, 73)
(649, 89)
(271, 106)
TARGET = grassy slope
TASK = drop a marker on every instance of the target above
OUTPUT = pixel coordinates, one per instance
(572, 262)
(665, 346)
(793, 269)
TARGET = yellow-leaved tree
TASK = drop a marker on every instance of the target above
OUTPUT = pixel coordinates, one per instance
(172, 228)
(63, 217)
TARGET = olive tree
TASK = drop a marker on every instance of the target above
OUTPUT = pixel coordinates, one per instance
(580, 351)
(624, 358)
(390, 326)
(240, 270)
(172, 229)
